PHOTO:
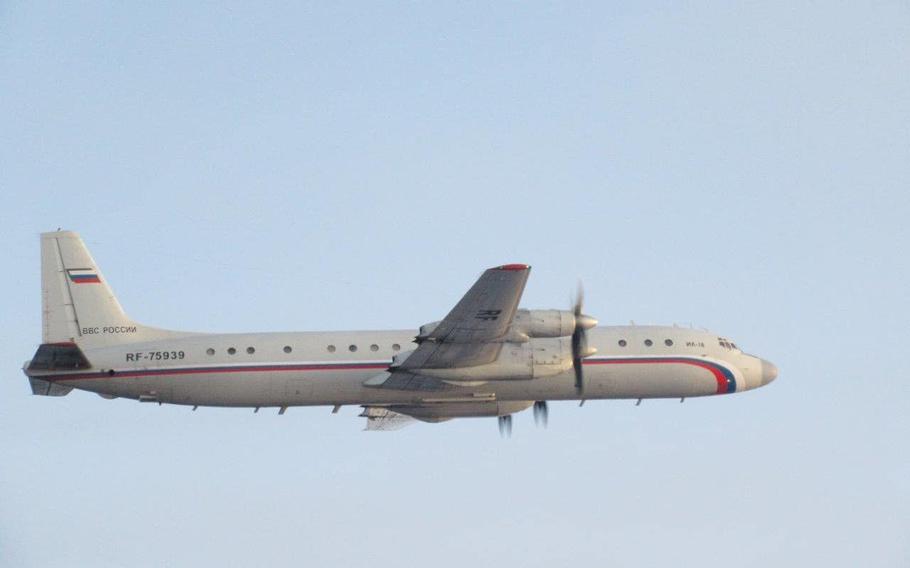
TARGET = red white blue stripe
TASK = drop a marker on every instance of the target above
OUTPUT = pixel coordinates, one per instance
(724, 377)
(726, 380)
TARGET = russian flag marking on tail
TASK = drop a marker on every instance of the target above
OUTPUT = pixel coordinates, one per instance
(83, 276)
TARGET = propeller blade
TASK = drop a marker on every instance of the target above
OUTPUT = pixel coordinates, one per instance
(576, 360)
(579, 299)
(579, 377)
(541, 413)
(580, 348)
(505, 426)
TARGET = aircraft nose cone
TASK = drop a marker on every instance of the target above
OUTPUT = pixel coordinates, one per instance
(768, 372)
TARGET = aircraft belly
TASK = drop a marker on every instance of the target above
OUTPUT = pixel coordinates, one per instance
(649, 381)
(115, 387)
(238, 389)
(275, 389)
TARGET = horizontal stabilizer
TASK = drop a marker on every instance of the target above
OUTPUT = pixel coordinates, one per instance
(48, 388)
(58, 357)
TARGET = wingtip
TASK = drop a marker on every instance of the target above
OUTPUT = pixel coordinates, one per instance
(515, 266)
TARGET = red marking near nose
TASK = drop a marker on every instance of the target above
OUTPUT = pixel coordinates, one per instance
(723, 386)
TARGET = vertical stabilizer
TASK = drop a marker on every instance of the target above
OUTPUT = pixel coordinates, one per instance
(77, 303)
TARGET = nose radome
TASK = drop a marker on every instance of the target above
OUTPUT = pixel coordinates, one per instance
(768, 372)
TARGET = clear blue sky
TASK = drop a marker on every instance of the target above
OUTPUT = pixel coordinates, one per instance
(255, 167)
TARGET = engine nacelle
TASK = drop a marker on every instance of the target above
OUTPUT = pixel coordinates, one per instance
(530, 324)
(544, 323)
(532, 359)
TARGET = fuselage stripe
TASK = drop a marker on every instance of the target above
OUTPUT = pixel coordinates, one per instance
(208, 370)
(726, 381)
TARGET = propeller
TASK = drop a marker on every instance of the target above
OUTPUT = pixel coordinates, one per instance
(505, 426)
(580, 348)
(541, 413)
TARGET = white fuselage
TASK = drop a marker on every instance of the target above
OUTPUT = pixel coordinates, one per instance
(330, 368)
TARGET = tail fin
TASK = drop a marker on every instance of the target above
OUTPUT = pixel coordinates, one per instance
(77, 303)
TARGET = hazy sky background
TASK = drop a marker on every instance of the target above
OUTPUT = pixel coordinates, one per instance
(257, 167)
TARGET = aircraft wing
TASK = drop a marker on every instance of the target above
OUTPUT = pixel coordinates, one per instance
(404, 380)
(471, 333)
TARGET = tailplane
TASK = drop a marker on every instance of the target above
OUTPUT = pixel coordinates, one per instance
(77, 304)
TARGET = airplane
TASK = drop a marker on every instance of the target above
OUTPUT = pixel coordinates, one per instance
(486, 358)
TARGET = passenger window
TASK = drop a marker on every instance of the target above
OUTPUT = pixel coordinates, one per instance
(622, 343)
(287, 349)
(396, 347)
(250, 350)
(648, 342)
(210, 351)
(231, 351)
(374, 347)
(668, 342)
(330, 348)
(352, 348)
